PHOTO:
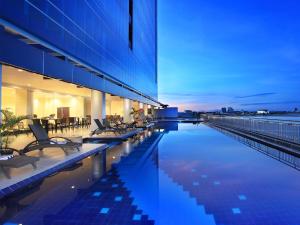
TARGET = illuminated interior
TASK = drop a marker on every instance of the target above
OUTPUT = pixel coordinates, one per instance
(114, 105)
(25, 93)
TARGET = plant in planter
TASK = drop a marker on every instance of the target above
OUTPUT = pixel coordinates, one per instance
(138, 116)
(8, 122)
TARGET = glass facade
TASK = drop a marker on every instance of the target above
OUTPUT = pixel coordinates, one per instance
(95, 33)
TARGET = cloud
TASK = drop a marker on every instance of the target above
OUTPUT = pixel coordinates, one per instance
(257, 95)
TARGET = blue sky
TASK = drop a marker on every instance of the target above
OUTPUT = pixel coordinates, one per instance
(244, 54)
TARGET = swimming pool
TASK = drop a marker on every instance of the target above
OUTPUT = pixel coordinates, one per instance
(191, 174)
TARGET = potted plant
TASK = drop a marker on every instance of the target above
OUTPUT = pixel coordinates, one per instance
(7, 123)
(138, 116)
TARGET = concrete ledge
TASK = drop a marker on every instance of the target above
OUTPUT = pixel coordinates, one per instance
(147, 126)
(48, 164)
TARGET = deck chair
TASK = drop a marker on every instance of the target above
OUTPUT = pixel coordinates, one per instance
(17, 161)
(102, 129)
(118, 128)
(43, 141)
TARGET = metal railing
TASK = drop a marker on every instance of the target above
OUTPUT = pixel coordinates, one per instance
(281, 129)
(281, 156)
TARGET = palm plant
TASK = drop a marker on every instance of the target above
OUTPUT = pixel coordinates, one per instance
(138, 116)
(8, 122)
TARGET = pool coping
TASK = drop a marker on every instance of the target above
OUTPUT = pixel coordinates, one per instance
(51, 170)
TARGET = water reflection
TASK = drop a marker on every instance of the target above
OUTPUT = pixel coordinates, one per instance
(54, 194)
(166, 126)
(99, 164)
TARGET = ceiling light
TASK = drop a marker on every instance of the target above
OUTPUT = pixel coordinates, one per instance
(19, 70)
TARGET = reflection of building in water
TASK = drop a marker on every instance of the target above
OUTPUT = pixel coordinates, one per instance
(281, 156)
(99, 164)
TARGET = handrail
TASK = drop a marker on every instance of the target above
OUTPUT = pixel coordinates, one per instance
(284, 130)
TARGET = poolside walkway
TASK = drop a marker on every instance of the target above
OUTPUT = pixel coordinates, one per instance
(51, 160)
(54, 159)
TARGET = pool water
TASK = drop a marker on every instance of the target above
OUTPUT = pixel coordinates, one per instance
(190, 174)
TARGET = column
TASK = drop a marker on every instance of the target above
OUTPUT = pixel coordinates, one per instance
(97, 107)
(146, 109)
(108, 104)
(29, 109)
(141, 105)
(127, 110)
(0, 86)
(21, 102)
(0, 91)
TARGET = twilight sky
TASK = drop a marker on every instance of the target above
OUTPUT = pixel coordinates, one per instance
(239, 53)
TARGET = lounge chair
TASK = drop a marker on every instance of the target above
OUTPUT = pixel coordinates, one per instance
(118, 127)
(125, 126)
(102, 129)
(16, 161)
(43, 141)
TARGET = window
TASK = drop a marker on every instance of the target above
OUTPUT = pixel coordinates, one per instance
(130, 27)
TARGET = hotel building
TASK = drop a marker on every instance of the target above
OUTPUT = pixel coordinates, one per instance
(78, 58)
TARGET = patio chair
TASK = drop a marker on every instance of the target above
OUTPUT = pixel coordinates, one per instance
(72, 122)
(16, 161)
(102, 129)
(43, 141)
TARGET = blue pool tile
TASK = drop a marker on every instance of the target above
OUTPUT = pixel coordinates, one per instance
(104, 210)
(137, 217)
(236, 211)
(242, 197)
(96, 194)
(217, 182)
(118, 198)
(196, 183)
(114, 185)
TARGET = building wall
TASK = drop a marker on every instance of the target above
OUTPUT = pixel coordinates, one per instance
(170, 112)
(94, 33)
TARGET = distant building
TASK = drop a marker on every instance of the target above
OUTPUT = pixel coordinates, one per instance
(262, 112)
(230, 110)
(224, 110)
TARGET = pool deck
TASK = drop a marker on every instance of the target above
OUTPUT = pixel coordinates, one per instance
(51, 161)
